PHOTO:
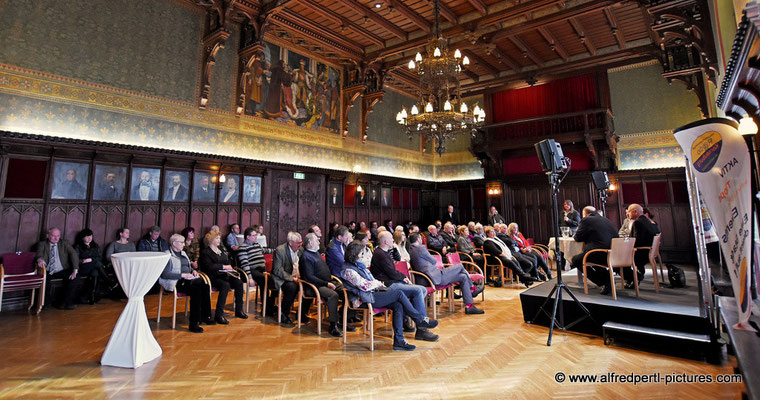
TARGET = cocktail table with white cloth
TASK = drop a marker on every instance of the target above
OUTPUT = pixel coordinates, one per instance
(132, 343)
(569, 248)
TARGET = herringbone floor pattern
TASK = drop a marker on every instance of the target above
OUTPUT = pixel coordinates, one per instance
(492, 356)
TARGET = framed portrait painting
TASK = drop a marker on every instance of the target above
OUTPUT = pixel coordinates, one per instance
(145, 184)
(70, 180)
(110, 181)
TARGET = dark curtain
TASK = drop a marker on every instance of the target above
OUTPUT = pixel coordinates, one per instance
(557, 97)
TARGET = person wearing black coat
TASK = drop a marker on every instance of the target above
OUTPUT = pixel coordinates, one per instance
(644, 230)
(528, 262)
(495, 247)
(569, 217)
(89, 265)
(215, 263)
(596, 232)
(314, 270)
(449, 215)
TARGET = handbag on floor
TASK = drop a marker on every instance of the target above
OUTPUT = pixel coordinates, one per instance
(676, 276)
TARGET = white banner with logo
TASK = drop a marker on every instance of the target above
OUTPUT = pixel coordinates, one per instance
(720, 159)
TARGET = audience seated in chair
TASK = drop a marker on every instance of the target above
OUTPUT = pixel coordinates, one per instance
(192, 247)
(527, 262)
(60, 261)
(152, 241)
(285, 272)
(423, 262)
(215, 263)
(364, 288)
(465, 245)
(596, 232)
(315, 271)
(179, 275)
(89, 265)
(232, 241)
(449, 236)
(400, 252)
(495, 247)
(122, 245)
(479, 238)
(384, 270)
(250, 256)
(514, 234)
(336, 250)
(434, 241)
(644, 230)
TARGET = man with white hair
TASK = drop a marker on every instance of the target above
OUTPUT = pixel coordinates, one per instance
(60, 261)
(434, 241)
(449, 235)
(383, 269)
(285, 273)
(596, 232)
(315, 271)
(644, 230)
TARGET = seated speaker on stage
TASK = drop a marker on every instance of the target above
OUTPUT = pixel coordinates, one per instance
(568, 216)
(596, 232)
(644, 230)
(493, 246)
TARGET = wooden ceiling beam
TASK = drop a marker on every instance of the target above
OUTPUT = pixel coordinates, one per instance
(614, 28)
(527, 52)
(294, 22)
(384, 23)
(553, 43)
(502, 56)
(582, 35)
(407, 12)
(446, 12)
(479, 6)
(342, 21)
(482, 22)
(480, 61)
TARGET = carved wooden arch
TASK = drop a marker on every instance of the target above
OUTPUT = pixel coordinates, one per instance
(211, 45)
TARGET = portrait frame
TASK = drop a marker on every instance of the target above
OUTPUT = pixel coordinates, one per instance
(251, 189)
(153, 187)
(361, 196)
(182, 194)
(336, 188)
(386, 197)
(74, 189)
(199, 194)
(106, 190)
(229, 197)
(374, 196)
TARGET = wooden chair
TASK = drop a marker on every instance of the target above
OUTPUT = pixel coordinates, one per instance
(368, 320)
(321, 303)
(476, 274)
(176, 295)
(267, 277)
(403, 267)
(19, 272)
(654, 260)
(444, 290)
(497, 268)
(620, 255)
(433, 252)
(466, 256)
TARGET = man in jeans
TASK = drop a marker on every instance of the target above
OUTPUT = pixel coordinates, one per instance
(384, 270)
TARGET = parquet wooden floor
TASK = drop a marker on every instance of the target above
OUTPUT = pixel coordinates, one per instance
(491, 356)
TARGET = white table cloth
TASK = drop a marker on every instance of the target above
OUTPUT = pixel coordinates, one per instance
(569, 248)
(132, 343)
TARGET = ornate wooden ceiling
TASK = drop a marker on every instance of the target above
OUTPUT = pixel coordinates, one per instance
(509, 42)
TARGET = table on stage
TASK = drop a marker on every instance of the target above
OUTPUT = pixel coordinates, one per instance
(569, 248)
(132, 343)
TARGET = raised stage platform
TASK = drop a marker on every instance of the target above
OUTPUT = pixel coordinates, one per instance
(671, 309)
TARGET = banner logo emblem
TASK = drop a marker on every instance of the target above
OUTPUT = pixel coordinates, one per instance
(705, 151)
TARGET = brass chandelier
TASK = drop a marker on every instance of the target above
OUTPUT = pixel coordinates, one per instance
(440, 114)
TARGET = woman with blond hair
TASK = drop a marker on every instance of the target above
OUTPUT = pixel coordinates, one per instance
(215, 263)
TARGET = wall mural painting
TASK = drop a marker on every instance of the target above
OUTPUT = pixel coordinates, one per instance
(291, 88)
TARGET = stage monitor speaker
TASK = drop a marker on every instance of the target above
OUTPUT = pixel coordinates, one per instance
(550, 155)
(601, 182)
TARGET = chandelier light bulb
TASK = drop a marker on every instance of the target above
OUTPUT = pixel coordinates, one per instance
(463, 108)
(457, 54)
(466, 60)
(476, 110)
(415, 110)
(447, 106)
(418, 57)
(434, 127)
(429, 107)
(437, 52)
(448, 127)
(411, 64)
(403, 113)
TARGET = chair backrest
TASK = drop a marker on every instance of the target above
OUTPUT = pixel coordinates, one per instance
(268, 261)
(656, 245)
(438, 261)
(454, 258)
(621, 252)
(530, 241)
(403, 267)
(17, 264)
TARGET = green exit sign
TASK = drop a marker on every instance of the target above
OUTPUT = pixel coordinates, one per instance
(299, 175)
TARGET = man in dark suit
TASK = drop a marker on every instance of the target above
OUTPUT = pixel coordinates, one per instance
(644, 230)
(203, 192)
(107, 190)
(527, 262)
(144, 190)
(334, 197)
(61, 261)
(361, 198)
(435, 242)
(285, 272)
(450, 216)
(315, 271)
(596, 232)
(494, 217)
(176, 191)
(423, 262)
